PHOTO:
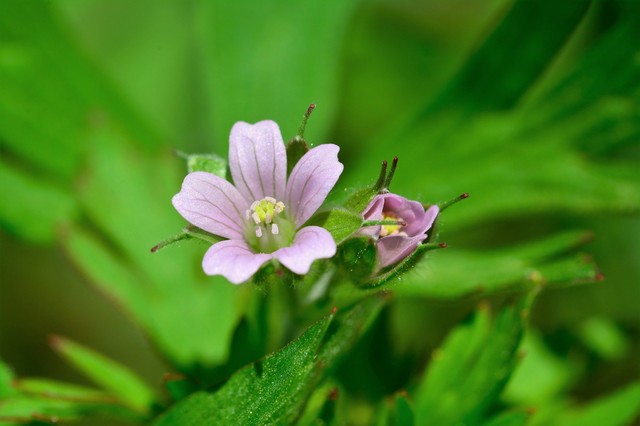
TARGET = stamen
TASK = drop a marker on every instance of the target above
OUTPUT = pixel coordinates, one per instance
(270, 199)
(254, 205)
(274, 229)
(258, 231)
(279, 207)
(248, 214)
(268, 218)
(256, 218)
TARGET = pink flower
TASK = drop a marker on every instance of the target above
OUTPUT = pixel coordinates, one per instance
(397, 241)
(263, 213)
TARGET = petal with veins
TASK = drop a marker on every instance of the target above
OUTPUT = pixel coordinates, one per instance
(258, 160)
(234, 260)
(310, 243)
(213, 204)
(311, 180)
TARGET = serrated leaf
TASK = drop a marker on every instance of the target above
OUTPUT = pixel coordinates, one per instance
(467, 374)
(272, 390)
(275, 389)
(111, 376)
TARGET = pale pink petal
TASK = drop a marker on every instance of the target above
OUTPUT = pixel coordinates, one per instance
(311, 180)
(394, 248)
(234, 260)
(372, 212)
(309, 244)
(258, 160)
(213, 204)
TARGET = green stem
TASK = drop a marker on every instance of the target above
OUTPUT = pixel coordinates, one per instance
(305, 118)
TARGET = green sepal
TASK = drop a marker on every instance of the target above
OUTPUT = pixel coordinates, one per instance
(357, 258)
(404, 266)
(341, 223)
(296, 148)
(210, 163)
(188, 232)
(360, 199)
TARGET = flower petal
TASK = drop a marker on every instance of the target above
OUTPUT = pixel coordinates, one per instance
(213, 204)
(373, 212)
(310, 243)
(258, 160)
(234, 260)
(311, 180)
(394, 248)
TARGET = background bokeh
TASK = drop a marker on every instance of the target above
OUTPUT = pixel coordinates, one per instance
(531, 107)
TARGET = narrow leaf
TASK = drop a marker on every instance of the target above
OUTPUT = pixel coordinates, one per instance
(113, 377)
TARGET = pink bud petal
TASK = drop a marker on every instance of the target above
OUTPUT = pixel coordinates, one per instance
(394, 248)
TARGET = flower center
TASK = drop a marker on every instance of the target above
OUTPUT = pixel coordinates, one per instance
(271, 227)
(390, 229)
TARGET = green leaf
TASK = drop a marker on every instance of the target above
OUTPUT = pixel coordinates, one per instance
(113, 377)
(604, 337)
(446, 274)
(270, 391)
(251, 84)
(541, 376)
(341, 223)
(483, 83)
(617, 409)
(210, 163)
(6, 378)
(64, 391)
(467, 374)
(274, 390)
(33, 209)
(188, 315)
(510, 418)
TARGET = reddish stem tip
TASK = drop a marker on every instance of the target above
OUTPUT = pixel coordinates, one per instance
(310, 109)
(465, 195)
(55, 341)
(334, 310)
(333, 394)
(154, 248)
(443, 245)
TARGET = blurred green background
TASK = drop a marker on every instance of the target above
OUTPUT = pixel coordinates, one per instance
(533, 107)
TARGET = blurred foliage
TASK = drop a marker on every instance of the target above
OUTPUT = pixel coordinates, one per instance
(531, 107)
